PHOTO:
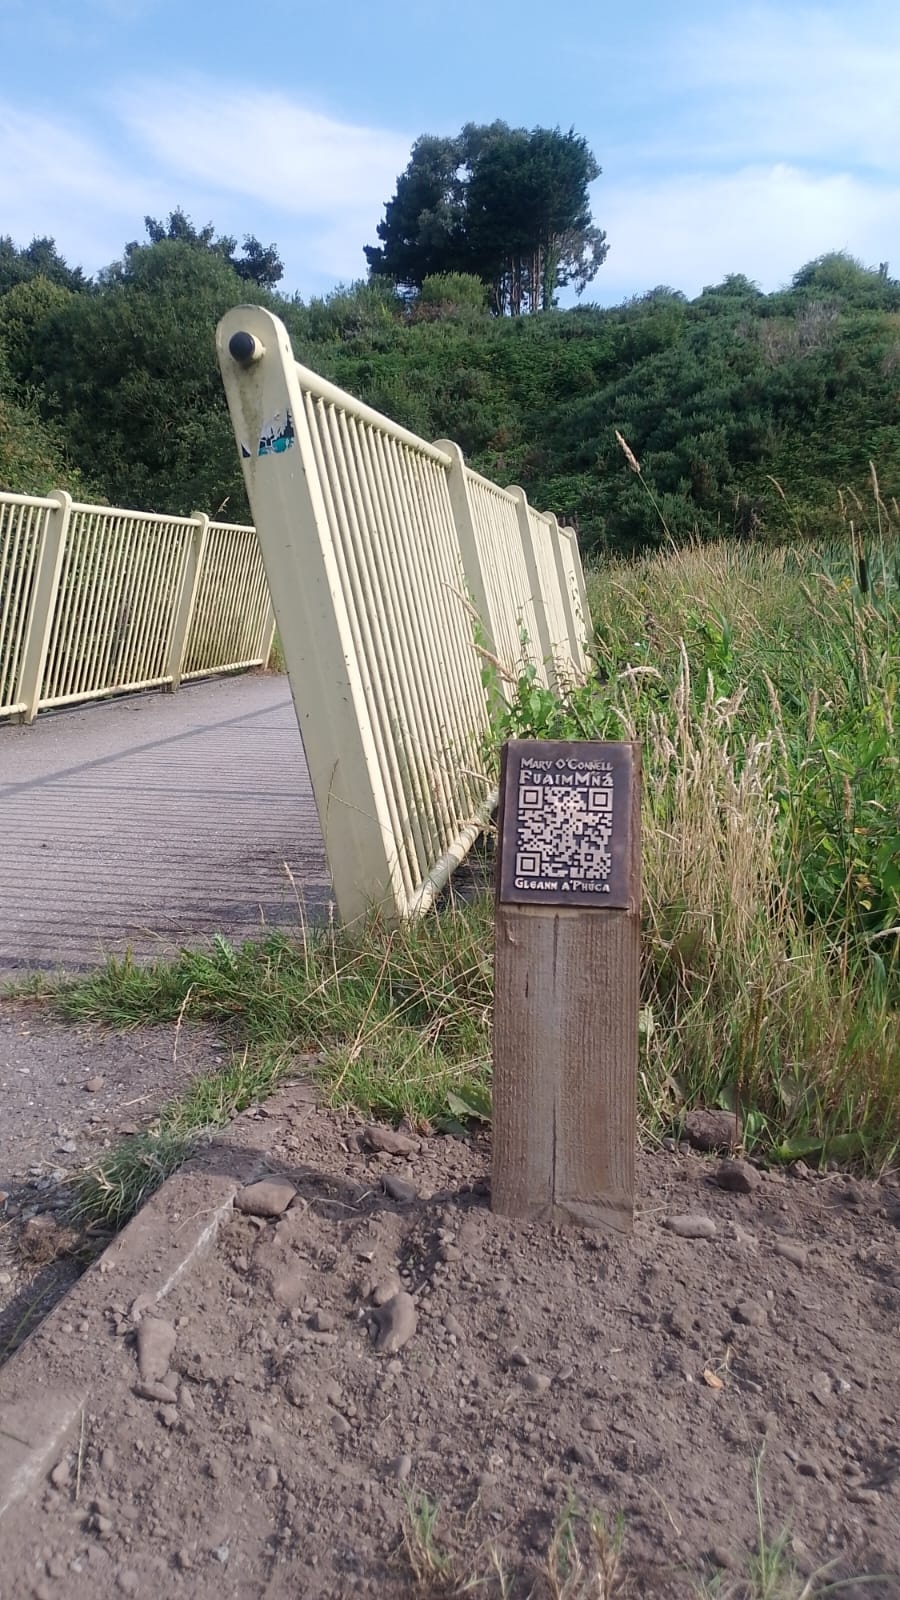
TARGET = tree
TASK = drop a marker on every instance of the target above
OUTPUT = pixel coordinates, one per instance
(259, 264)
(509, 205)
(423, 232)
(130, 374)
(39, 259)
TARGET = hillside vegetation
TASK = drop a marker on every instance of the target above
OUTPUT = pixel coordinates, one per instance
(745, 411)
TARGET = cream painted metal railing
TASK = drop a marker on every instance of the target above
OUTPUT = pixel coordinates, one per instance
(393, 569)
(96, 600)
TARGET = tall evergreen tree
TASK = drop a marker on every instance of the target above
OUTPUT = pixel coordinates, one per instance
(508, 205)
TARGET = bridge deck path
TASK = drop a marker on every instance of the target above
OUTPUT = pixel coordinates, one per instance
(153, 821)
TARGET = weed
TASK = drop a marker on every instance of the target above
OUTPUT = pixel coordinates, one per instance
(584, 1559)
(763, 685)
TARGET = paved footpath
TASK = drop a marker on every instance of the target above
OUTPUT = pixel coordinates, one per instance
(151, 821)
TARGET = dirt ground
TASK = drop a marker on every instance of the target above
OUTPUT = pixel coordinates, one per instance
(643, 1377)
(67, 1093)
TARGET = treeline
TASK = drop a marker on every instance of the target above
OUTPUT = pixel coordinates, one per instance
(745, 412)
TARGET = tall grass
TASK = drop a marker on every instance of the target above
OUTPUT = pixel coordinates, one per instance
(763, 685)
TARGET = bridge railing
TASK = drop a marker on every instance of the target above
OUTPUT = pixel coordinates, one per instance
(96, 600)
(396, 573)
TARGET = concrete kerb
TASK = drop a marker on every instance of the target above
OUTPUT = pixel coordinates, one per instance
(46, 1386)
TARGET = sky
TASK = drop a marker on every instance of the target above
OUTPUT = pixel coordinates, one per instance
(732, 137)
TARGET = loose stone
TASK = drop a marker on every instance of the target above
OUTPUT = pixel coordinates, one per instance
(155, 1343)
(399, 1189)
(162, 1393)
(267, 1198)
(397, 1322)
(712, 1130)
(751, 1314)
(380, 1137)
(692, 1225)
(537, 1382)
(738, 1177)
(790, 1251)
(386, 1288)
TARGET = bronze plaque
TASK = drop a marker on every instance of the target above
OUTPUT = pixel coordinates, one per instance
(565, 824)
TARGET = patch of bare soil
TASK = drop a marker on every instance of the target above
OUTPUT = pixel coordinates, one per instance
(386, 1334)
(68, 1093)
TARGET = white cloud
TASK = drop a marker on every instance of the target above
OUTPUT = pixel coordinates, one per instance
(267, 146)
(765, 222)
(797, 83)
(261, 164)
(56, 180)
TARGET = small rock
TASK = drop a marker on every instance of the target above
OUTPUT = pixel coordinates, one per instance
(94, 1085)
(56, 1567)
(270, 1478)
(59, 1477)
(693, 1225)
(712, 1130)
(518, 1358)
(808, 1468)
(738, 1177)
(184, 1561)
(386, 1288)
(103, 1525)
(821, 1388)
(289, 1286)
(380, 1137)
(221, 1554)
(593, 1422)
(155, 1343)
(323, 1322)
(537, 1382)
(168, 1415)
(397, 1322)
(334, 1394)
(450, 1252)
(128, 1581)
(751, 1314)
(401, 1467)
(790, 1251)
(340, 1424)
(718, 1556)
(268, 1198)
(453, 1326)
(399, 1188)
(162, 1393)
(108, 1458)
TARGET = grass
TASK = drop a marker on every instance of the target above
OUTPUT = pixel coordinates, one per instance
(763, 684)
(583, 1559)
(394, 1021)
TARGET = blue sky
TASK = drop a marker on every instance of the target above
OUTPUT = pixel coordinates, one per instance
(732, 137)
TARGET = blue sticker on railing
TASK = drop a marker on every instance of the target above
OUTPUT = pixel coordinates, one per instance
(277, 435)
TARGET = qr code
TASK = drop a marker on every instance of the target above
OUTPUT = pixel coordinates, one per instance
(564, 833)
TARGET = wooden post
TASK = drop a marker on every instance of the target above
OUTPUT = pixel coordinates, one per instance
(567, 976)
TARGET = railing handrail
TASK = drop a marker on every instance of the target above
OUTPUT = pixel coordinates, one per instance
(322, 389)
(382, 550)
(42, 503)
(90, 605)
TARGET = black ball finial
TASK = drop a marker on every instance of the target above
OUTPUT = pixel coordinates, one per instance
(242, 346)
